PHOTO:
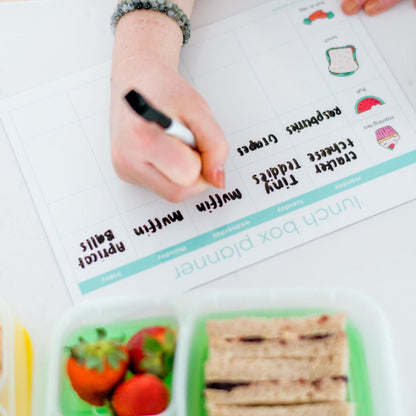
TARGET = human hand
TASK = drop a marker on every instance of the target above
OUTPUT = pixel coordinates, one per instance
(142, 153)
(371, 7)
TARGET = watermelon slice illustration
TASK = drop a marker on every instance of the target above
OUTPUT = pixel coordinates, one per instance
(367, 103)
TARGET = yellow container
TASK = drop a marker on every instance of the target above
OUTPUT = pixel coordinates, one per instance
(16, 366)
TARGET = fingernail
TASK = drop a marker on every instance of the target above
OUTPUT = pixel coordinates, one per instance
(350, 6)
(220, 177)
(372, 8)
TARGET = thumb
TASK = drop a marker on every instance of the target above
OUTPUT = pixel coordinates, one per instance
(211, 143)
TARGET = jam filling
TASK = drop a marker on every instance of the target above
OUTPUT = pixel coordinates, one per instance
(229, 386)
(340, 378)
(226, 386)
(252, 339)
(315, 337)
(257, 338)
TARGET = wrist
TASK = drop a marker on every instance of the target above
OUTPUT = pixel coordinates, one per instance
(152, 33)
(146, 34)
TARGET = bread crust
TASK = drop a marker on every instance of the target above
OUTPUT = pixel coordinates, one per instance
(290, 345)
(319, 409)
(272, 327)
(224, 367)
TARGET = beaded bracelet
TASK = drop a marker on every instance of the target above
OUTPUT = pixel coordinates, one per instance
(164, 6)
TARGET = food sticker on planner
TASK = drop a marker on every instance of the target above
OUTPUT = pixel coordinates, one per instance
(319, 14)
(387, 137)
(342, 60)
(367, 103)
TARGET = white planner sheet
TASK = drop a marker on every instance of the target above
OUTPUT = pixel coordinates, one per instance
(320, 136)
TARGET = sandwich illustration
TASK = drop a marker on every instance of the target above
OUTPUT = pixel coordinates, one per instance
(342, 60)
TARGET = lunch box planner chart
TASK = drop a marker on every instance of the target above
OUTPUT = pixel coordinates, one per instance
(320, 137)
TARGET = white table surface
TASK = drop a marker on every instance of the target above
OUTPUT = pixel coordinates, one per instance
(41, 41)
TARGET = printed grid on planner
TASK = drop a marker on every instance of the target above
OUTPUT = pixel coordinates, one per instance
(306, 103)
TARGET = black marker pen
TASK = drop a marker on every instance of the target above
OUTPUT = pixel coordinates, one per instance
(171, 126)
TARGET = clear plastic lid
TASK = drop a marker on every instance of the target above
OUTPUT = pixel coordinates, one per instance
(15, 369)
(7, 375)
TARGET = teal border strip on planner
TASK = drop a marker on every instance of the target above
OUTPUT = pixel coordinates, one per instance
(248, 222)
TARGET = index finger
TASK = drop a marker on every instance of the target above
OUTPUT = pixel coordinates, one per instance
(211, 143)
(352, 6)
(373, 7)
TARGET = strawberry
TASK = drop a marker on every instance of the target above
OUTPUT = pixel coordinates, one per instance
(152, 350)
(142, 394)
(95, 368)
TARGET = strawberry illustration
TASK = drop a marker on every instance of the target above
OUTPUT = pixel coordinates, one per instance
(152, 351)
(95, 368)
(142, 394)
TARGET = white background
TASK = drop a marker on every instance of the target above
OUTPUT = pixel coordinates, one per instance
(41, 41)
